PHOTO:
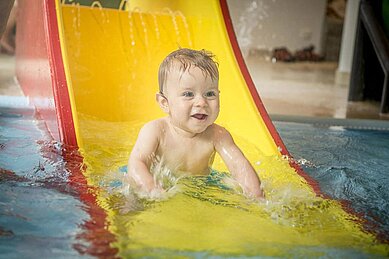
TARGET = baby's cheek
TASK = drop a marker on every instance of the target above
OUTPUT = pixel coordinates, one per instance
(217, 109)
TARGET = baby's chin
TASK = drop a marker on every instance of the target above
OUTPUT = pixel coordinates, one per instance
(192, 128)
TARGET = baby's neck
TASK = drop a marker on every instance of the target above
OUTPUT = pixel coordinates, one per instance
(182, 133)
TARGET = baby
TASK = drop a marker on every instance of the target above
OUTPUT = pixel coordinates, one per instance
(187, 139)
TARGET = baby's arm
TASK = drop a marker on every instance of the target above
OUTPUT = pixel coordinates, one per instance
(142, 155)
(237, 164)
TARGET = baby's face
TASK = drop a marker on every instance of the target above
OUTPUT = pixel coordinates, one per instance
(193, 100)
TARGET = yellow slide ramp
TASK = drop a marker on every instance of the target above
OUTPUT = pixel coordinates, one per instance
(111, 59)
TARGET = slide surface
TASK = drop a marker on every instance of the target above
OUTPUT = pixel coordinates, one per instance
(110, 58)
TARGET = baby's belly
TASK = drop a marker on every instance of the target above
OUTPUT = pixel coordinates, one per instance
(188, 172)
(182, 169)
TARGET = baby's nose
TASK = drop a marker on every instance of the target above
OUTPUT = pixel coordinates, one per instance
(201, 101)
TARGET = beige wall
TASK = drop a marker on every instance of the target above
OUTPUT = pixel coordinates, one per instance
(266, 24)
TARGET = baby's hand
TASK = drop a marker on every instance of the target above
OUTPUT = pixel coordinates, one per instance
(258, 195)
(156, 193)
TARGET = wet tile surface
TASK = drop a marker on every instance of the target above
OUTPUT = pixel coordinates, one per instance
(306, 89)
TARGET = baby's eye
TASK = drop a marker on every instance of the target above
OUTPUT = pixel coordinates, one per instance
(188, 94)
(210, 94)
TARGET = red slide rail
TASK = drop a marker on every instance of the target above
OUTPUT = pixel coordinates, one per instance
(41, 75)
(40, 70)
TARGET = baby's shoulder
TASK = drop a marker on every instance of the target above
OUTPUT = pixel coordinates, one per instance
(153, 128)
(217, 130)
(219, 134)
(155, 123)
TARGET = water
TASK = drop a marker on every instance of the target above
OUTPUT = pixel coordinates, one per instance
(40, 213)
(48, 209)
(350, 165)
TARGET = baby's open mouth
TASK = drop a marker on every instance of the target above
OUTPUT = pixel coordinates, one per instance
(199, 116)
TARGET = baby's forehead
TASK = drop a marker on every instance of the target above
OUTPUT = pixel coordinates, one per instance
(178, 69)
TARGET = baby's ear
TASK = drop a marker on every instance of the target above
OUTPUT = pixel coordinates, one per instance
(162, 101)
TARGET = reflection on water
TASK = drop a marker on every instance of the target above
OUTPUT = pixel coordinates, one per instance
(350, 165)
(40, 213)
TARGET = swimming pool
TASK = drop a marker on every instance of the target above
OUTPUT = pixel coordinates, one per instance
(45, 211)
(349, 164)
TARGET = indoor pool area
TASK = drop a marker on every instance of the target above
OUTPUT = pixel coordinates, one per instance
(91, 166)
(44, 212)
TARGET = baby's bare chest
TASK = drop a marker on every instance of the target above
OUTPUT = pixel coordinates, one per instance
(191, 155)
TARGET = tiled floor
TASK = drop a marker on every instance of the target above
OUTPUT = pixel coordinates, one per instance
(298, 89)
(306, 89)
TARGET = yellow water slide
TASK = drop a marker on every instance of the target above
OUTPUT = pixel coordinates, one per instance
(111, 58)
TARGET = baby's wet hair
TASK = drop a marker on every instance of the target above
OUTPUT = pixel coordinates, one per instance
(185, 58)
